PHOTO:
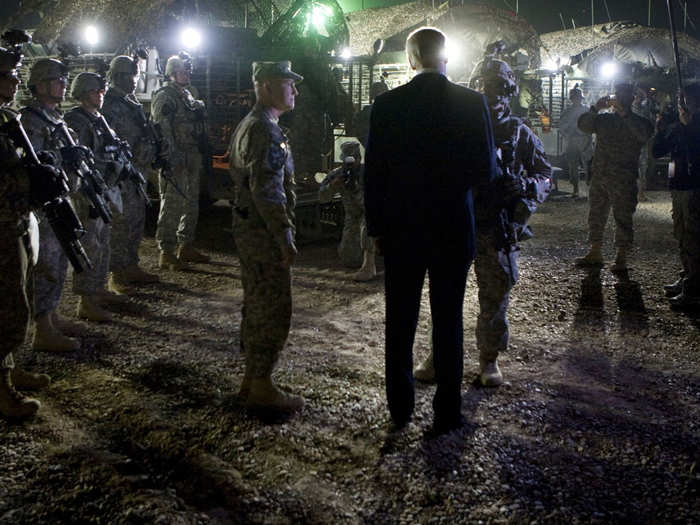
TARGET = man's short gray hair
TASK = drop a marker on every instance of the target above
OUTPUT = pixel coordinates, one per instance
(426, 47)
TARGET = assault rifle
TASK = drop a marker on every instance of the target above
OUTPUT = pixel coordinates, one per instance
(122, 153)
(58, 210)
(81, 161)
(155, 134)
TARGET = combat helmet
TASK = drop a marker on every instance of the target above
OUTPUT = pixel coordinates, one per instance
(180, 62)
(85, 82)
(46, 69)
(9, 60)
(122, 64)
(491, 69)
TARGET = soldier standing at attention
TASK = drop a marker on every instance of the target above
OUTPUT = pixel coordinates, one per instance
(620, 137)
(18, 192)
(48, 80)
(523, 182)
(90, 285)
(263, 227)
(578, 143)
(682, 141)
(126, 116)
(181, 118)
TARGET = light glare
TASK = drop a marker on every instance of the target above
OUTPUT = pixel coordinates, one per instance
(346, 53)
(91, 35)
(608, 70)
(190, 38)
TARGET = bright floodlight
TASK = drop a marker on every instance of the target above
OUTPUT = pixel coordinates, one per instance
(608, 70)
(346, 53)
(91, 35)
(190, 38)
(453, 50)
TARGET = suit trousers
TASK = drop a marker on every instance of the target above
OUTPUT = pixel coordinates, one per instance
(405, 269)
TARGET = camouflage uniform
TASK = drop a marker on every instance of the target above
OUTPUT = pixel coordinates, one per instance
(496, 265)
(354, 238)
(614, 172)
(263, 172)
(181, 118)
(578, 143)
(52, 267)
(96, 237)
(126, 116)
(15, 248)
(645, 109)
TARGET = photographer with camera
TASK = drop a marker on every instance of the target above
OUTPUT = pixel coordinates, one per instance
(681, 139)
(356, 249)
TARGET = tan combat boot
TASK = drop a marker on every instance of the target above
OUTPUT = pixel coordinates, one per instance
(620, 264)
(120, 283)
(12, 403)
(89, 309)
(110, 297)
(489, 373)
(47, 337)
(593, 258)
(136, 274)
(368, 270)
(187, 253)
(425, 372)
(169, 261)
(264, 395)
(66, 326)
(28, 381)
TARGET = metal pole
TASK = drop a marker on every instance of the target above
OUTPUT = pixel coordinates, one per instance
(563, 25)
(649, 14)
(676, 55)
(685, 16)
(573, 24)
(517, 7)
(605, 3)
(592, 14)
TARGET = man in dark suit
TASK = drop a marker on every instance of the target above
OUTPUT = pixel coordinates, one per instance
(430, 144)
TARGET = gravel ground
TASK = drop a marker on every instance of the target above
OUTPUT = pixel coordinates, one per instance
(597, 421)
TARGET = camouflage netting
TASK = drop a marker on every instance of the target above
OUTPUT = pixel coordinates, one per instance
(625, 42)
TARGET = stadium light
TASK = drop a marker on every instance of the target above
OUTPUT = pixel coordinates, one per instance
(453, 49)
(346, 53)
(608, 69)
(190, 38)
(91, 35)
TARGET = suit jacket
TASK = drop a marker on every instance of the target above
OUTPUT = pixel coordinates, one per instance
(430, 143)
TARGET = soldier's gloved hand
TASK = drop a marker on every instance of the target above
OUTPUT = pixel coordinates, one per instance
(288, 249)
(511, 188)
(46, 183)
(75, 154)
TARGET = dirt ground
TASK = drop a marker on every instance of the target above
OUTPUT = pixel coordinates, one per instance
(598, 420)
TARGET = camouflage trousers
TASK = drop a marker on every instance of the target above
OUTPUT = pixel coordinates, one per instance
(127, 229)
(686, 229)
(267, 298)
(15, 287)
(96, 244)
(496, 273)
(578, 154)
(351, 245)
(177, 220)
(616, 191)
(50, 271)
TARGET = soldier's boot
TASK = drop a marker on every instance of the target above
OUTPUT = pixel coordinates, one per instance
(120, 283)
(686, 299)
(593, 258)
(136, 274)
(89, 309)
(110, 297)
(425, 372)
(620, 264)
(49, 338)
(12, 403)
(168, 261)
(66, 326)
(264, 395)
(245, 387)
(28, 381)
(368, 270)
(673, 289)
(489, 373)
(188, 253)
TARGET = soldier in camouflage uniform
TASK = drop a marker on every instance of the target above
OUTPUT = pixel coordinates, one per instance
(356, 247)
(48, 80)
(263, 227)
(620, 137)
(644, 106)
(18, 195)
(181, 118)
(126, 116)
(85, 120)
(578, 144)
(502, 214)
